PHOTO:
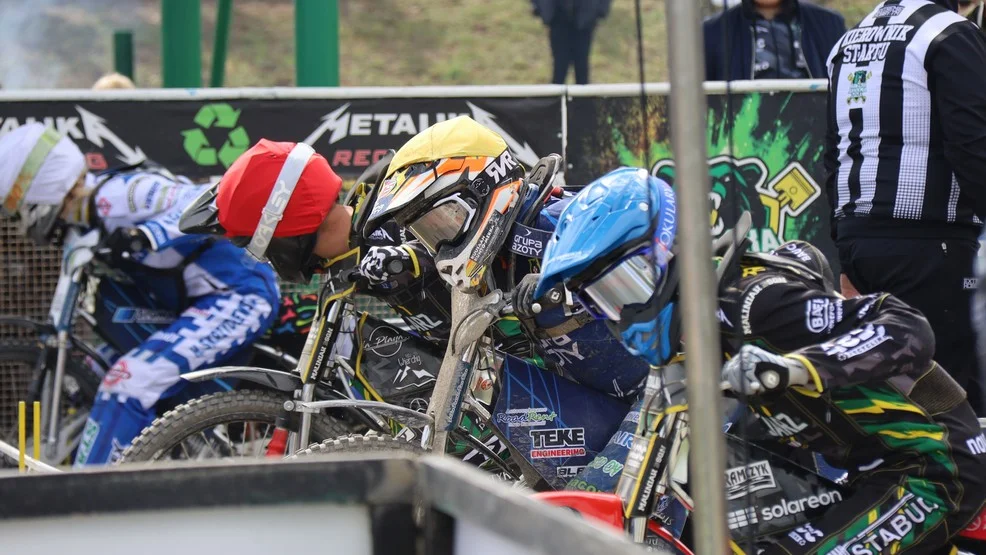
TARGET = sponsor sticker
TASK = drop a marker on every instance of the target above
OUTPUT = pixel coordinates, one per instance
(977, 445)
(526, 417)
(890, 527)
(794, 507)
(384, 341)
(804, 535)
(822, 315)
(134, 315)
(782, 425)
(856, 342)
(118, 373)
(750, 297)
(568, 471)
(753, 477)
(555, 443)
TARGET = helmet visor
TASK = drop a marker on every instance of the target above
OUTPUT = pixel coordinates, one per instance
(632, 281)
(444, 223)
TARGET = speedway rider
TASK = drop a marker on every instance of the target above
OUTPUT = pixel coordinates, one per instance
(441, 161)
(852, 379)
(223, 298)
(458, 189)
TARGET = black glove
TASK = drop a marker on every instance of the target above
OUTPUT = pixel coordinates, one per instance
(125, 240)
(388, 265)
(523, 296)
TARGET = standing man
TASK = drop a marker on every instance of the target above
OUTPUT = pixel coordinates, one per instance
(570, 26)
(906, 163)
(770, 39)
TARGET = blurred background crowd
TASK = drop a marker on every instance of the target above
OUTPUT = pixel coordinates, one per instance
(503, 42)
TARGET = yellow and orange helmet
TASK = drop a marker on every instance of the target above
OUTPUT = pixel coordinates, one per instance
(456, 187)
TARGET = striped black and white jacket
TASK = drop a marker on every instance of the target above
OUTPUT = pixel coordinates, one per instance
(906, 136)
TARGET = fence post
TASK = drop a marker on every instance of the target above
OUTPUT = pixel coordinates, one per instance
(21, 436)
(37, 430)
(223, 18)
(123, 53)
(316, 43)
(181, 43)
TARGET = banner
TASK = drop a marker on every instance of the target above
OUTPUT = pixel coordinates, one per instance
(769, 163)
(202, 138)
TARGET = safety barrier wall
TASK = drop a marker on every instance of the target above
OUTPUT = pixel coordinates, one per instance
(369, 506)
(765, 143)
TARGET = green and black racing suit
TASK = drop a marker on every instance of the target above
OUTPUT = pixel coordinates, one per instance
(879, 407)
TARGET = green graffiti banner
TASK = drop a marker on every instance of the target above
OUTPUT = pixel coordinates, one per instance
(765, 155)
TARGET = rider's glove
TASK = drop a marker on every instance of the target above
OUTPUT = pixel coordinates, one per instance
(754, 371)
(126, 240)
(523, 296)
(384, 264)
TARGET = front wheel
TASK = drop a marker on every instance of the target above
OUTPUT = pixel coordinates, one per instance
(222, 425)
(355, 444)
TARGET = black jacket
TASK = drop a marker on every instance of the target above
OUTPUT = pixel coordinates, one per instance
(731, 32)
(584, 13)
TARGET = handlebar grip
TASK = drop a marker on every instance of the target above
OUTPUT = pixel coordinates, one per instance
(395, 266)
(770, 379)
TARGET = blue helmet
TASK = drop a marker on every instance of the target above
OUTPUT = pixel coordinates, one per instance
(603, 250)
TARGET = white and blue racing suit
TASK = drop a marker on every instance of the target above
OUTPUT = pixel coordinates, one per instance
(229, 300)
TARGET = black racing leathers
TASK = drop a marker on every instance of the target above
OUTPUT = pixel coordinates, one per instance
(877, 406)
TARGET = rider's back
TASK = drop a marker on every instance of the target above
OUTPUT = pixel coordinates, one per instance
(871, 411)
(153, 202)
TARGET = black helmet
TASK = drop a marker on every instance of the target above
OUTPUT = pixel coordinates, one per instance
(809, 256)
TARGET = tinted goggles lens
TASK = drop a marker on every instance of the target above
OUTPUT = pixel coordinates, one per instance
(632, 281)
(445, 223)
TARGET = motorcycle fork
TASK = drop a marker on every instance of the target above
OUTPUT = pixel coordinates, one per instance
(280, 438)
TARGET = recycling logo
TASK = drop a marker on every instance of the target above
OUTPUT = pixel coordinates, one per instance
(222, 116)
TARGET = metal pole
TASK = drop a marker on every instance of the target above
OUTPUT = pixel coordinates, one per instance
(21, 437)
(223, 16)
(123, 53)
(37, 430)
(9, 451)
(698, 289)
(316, 28)
(181, 43)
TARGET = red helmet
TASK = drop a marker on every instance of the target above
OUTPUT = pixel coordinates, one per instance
(272, 201)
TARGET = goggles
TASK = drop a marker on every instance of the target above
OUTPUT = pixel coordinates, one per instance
(632, 281)
(446, 222)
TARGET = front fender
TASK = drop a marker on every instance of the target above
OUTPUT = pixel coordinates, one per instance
(274, 379)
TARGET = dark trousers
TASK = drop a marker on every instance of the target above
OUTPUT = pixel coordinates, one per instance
(569, 46)
(935, 277)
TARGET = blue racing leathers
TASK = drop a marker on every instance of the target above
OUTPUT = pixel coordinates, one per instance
(225, 298)
(588, 353)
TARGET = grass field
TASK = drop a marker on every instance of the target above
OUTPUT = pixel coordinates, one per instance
(66, 43)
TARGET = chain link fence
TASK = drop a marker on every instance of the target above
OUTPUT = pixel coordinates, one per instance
(28, 275)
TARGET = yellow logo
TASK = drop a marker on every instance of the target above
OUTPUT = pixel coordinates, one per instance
(788, 195)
